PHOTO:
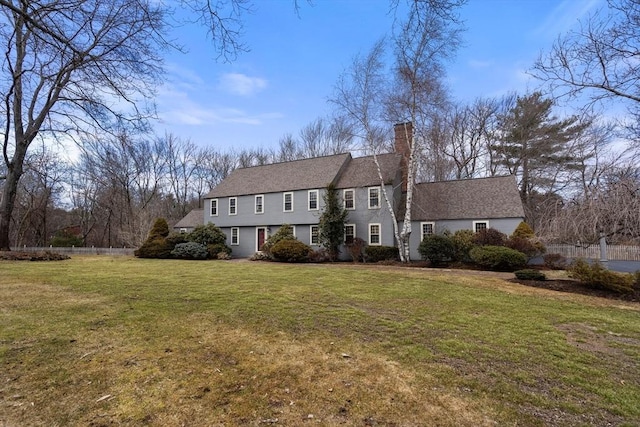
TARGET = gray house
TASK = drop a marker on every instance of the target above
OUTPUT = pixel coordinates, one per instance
(253, 203)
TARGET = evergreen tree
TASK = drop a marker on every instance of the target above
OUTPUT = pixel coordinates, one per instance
(536, 146)
(331, 233)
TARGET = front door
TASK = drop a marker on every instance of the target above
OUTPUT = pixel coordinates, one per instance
(262, 236)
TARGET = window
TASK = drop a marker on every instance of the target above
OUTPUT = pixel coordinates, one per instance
(349, 233)
(374, 197)
(315, 232)
(233, 205)
(183, 230)
(348, 196)
(374, 234)
(214, 207)
(426, 229)
(287, 202)
(313, 200)
(480, 225)
(235, 236)
(259, 204)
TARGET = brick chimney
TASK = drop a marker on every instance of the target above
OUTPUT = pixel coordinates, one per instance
(403, 133)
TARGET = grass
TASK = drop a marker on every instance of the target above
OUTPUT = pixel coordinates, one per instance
(121, 341)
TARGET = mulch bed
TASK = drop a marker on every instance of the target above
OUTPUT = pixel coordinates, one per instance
(573, 286)
(32, 256)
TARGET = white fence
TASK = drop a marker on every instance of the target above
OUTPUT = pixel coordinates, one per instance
(77, 251)
(614, 252)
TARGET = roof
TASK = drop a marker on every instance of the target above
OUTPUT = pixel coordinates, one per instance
(362, 171)
(191, 220)
(480, 198)
(316, 172)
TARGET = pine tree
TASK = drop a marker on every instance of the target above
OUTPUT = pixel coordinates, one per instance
(331, 233)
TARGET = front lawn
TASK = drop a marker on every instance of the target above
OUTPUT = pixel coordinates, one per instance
(122, 341)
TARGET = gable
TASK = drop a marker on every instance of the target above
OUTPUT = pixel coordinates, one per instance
(480, 198)
(363, 172)
(302, 174)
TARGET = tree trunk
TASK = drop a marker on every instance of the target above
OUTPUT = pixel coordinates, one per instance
(7, 202)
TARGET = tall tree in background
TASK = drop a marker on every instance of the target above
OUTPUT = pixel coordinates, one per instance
(536, 147)
(66, 64)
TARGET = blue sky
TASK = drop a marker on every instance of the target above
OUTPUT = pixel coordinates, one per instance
(284, 82)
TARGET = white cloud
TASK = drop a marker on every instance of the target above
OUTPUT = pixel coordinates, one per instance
(241, 84)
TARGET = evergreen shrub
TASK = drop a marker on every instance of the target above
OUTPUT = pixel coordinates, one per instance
(597, 276)
(290, 250)
(436, 248)
(190, 250)
(498, 258)
(381, 253)
(529, 274)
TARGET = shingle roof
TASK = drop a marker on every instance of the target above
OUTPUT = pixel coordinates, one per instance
(191, 220)
(481, 198)
(362, 171)
(303, 174)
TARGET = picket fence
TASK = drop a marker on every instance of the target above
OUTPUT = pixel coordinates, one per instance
(614, 252)
(77, 251)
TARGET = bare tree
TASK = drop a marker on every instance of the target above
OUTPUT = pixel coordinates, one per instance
(71, 66)
(371, 98)
(599, 59)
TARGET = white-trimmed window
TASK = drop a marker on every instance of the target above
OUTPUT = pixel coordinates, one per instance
(214, 207)
(427, 229)
(375, 237)
(374, 197)
(480, 225)
(235, 236)
(259, 206)
(349, 198)
(349, 233)
(233, 205)
(287, 202)
(313, 200)
(314, 238)
(293, 230)
(183, 230)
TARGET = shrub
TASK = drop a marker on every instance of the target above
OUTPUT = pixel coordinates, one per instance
(208, 234)
(260, 256)
(190, 250)
(528, 246)
(523, 231)
(462, 244)
(436, 248)
(157, 245)
(174, 238)
(319, 255)
(555, 261)
(154, 248)
(160, 229)
(66, 239)
(290, 250)
(596, 276)
(285, 232)
(381, 253)
(356, 249)
(528, 274)
(216, 249)
(489, 237)
(498, 258)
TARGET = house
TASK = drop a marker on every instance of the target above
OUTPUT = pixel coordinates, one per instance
(252, 203)
(190, 221)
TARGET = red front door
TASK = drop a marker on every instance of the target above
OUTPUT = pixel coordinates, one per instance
(261, 237)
